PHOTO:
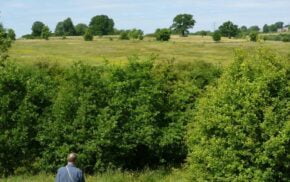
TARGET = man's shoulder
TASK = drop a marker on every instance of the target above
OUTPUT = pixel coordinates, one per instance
(61, 169)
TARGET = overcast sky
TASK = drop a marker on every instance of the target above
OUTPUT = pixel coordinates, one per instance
(144, 14)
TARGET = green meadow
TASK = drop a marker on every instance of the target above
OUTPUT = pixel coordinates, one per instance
(181, 49)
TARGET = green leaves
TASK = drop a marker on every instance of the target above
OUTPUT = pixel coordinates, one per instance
(239, 130)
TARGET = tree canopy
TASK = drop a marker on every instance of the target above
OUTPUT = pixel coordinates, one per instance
(228, 29)
(65, 28)
(102, 25)
(37, 28)
(181, 24)
(81, 29)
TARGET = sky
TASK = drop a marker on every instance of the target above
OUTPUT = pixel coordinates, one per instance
(143, 14)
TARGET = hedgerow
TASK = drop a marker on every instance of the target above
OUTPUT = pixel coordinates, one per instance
(130, 117)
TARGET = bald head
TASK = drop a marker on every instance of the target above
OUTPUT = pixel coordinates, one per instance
(72, 157)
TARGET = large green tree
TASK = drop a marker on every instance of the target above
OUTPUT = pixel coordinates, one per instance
(102, 25)
(228, 29)
(65, 27)
(59, 30)
(37, 28)
(181, 24)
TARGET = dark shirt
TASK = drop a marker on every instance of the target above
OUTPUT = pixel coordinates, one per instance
(76, 175)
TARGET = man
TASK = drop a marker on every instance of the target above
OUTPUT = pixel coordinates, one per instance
(70, 173)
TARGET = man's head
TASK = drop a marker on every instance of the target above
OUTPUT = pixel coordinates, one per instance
(72, 157)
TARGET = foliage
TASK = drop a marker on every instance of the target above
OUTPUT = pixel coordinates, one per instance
(81, 29)
(11, 34)
(278, 37)
(37, 28)
(65, 28)
(240, 131)
(266, 28)
(162, 34)
(45, 34)
(124, 35)
(88, 36)
(228, 29)
(129, 117)
(253, 36)
(102, 25)
(216, 36)
(59, 29)
(181, 24)
(5, 44)
(136, 34)
(254, 28)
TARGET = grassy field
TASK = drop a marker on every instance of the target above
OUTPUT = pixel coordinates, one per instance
(187, 49)
(146, 176)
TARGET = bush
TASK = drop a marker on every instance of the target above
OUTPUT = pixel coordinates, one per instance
(88, 35)
(124, 35)
(253, 36)
(241, 129)
(136, 34)
(216, 36)
(162, 34)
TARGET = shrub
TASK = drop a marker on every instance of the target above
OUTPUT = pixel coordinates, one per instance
(136, 34)
(88, 35)
(216, 36)
(162, 34)
(253, 36)
(45, 33)
(241, 131)
(124, 35)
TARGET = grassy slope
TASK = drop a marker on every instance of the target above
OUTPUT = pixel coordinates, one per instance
(193, 48)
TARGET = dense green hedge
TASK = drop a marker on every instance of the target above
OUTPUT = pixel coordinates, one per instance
(241, 128)
(130, 116)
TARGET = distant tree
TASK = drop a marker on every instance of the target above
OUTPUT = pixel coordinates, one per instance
(273, 28)
(279, 24)
(162, 34)
(88, 36)
(266, 28)
(136, 34)
(37, 28)
(181, 24)
(216, 36)
(203, 33)
(68, 27)
(254, 36)
(81, 29)
(243, 29)
(228, 29)
(124, 35)
(254, 28)
(102, 25)
(45, 33)
(59, 30)
(11, 34)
